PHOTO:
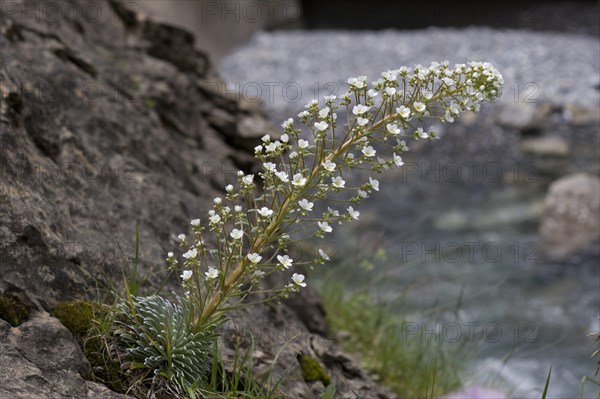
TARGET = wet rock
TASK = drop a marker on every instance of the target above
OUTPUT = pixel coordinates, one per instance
(526, 117)
(546, 147)
(550, 155)
(570, 221)
(579, 116)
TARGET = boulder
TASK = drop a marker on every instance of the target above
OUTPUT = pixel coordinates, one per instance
(570, 220)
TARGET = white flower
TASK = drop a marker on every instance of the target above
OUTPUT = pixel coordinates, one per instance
(302, 143)
(448, 81)
(229, 188)
(298, 279)
(354, 214)
(389, 75)
(270, 166)
(390, 91)
(321, 126)
(273, 146)
(266, 138)
(285, 261)
(214, 219)
(211, 273)
(422, 134)
(368, 151)
(358, 82)
(283, 176)
(312, 103)
(323, 255)
(454, 108)
(360, 109)
(374, 183)
(329, 166)
(333, 212)
(398, 160)
(195, 222)
(181, 237)
(372, 93)
(306, 205)
(427, 95)
(363, 194)
(240, 173)
(403, 111)
(324, 112)
(361, 121)
(236, 234)
(237, 208)
(186, 275)
(254, 258)
(258, 273)
(170, 255)
(285, 138)
(287, 124)
(419, 107)
(298, 180)
(293, 154)
(338, 182)
(403, 146)
(258, 148)
(329, 98)
(325, 227)
(303, 114)
(191, 254)
(264, 211)
(392, 128)
(248, 179)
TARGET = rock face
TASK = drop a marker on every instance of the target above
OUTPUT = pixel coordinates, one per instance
(105, 122)
(572, 212)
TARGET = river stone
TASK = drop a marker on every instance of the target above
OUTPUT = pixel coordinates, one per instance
(106, 123)
(526, 117)
(570, 221)
(546, 146)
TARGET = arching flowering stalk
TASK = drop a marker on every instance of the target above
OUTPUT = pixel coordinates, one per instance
(250, 229)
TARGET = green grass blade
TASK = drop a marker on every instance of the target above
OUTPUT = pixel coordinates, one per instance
(547, 384)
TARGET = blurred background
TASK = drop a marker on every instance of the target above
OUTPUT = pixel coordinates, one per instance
(486, 243)
(223, 24)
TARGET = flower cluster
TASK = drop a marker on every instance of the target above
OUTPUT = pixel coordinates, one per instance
(305, 164)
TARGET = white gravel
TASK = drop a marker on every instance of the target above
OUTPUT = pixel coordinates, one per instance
(548, 67)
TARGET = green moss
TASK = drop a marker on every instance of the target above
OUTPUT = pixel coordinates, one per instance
(80, 317)
(312, 370)
(12, 310)
(77, 316)
(149, 103)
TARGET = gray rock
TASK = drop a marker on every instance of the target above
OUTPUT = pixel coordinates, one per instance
(107, 122)
(40, 359)
(572, 212)
(525, 117)
(546, 146)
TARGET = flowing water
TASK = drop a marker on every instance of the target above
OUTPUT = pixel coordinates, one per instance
(470, 251)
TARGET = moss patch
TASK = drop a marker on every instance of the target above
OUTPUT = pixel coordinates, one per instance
(12, 310)
(80, 317)
(312, 370)
(77, 316)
